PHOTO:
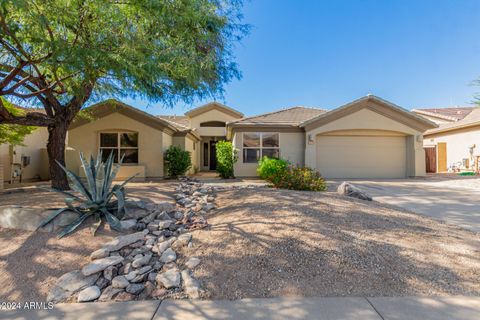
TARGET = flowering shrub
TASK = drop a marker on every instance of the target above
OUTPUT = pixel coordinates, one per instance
(286, 176)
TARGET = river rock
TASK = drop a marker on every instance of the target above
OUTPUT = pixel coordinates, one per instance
(168, 256)
(101, 264)
(169, 279)
(123, 241)
(89, 294)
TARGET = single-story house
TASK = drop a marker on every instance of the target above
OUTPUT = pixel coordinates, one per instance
(455, 144)
(367, 138)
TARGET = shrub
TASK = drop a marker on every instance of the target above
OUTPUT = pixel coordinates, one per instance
(269, 168)
(177, 161)
(226, 158)
(96, 198)
(283, 175)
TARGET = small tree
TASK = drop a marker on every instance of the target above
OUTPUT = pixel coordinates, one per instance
(226, 158)
(177, 161)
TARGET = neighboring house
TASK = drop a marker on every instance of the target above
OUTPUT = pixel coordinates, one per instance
(455, 144)
(367, 138)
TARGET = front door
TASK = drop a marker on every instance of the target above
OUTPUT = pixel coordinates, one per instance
(431, 159)
(213, 156)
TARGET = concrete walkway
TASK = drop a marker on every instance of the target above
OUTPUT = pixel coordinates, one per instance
(348, 308)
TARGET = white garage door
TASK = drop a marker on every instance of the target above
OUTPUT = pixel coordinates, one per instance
(361, 156)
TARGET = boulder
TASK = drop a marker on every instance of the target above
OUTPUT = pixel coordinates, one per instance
(101, 264)
(89, 294)
(349, 190)
(123, 241)
(169, 279)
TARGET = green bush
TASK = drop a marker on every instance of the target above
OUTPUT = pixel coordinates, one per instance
(269, 168)
(285, 176)
(177, 161)
(226, 158)
(96, 197)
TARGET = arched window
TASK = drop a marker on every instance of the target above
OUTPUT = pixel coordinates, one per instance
(212, 124)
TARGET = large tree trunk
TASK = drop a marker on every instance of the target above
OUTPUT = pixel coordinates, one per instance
(57, 135)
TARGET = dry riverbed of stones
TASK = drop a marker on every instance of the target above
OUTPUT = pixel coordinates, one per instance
(148, 263)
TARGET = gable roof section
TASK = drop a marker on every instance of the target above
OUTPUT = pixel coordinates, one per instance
(449, 114)
(471, 120)
(110, 106)
(290, 117)
(214, 106)
(376, 104)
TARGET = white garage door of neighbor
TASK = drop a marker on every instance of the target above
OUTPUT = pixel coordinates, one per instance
(361, 156)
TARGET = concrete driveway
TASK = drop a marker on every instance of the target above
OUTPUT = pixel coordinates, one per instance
(453, 199)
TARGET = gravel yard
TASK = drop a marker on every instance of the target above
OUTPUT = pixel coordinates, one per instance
(268, 243)
(30, 262)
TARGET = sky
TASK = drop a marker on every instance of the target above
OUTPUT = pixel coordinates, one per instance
(327, 53)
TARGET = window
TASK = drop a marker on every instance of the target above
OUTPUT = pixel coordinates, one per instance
(212, 124)
(257, 145)
(120, 144)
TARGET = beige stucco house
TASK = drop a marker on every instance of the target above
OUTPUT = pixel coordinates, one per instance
(367, 138)
(455, 144)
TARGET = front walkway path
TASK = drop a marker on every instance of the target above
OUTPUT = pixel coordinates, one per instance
(382, 308)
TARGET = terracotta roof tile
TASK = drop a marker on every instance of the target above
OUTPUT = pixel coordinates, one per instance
(453, 114)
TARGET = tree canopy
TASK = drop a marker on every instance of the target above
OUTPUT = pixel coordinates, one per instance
(61, 53)
(13, 134)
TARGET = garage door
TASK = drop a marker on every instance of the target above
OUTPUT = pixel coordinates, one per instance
(361, 156)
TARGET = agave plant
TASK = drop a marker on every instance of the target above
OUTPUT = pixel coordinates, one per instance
(96, 198)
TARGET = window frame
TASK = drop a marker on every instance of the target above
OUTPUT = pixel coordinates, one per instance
(260, 147)
(119, 147)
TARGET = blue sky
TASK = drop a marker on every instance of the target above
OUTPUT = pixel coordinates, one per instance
(327, 53)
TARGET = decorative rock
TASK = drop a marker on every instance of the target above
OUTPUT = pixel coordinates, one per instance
(152, 276)
(123, 241)
(147, 292)
(136, 214)
(164, 224)
(109, 293)
(135, 288)
(192, 263)
(162, 246)
(69, 283)
(109, 273)
(137, 263)
(120, 282)
(127, 268)
(190, 285)
(169, 279)
(208, 207)
(131, 275)
(102, 283)
(89, 294)
(348, 189)
(139, 278)
(129, 224)
(144, 269)
(100, 253)
(165, 206)
(168, 256)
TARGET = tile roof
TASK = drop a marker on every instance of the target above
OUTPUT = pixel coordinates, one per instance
(471, 119)
(452, 114)
(180, 122)
(293, 116)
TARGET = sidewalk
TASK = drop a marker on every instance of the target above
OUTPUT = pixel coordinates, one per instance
(349, 308)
